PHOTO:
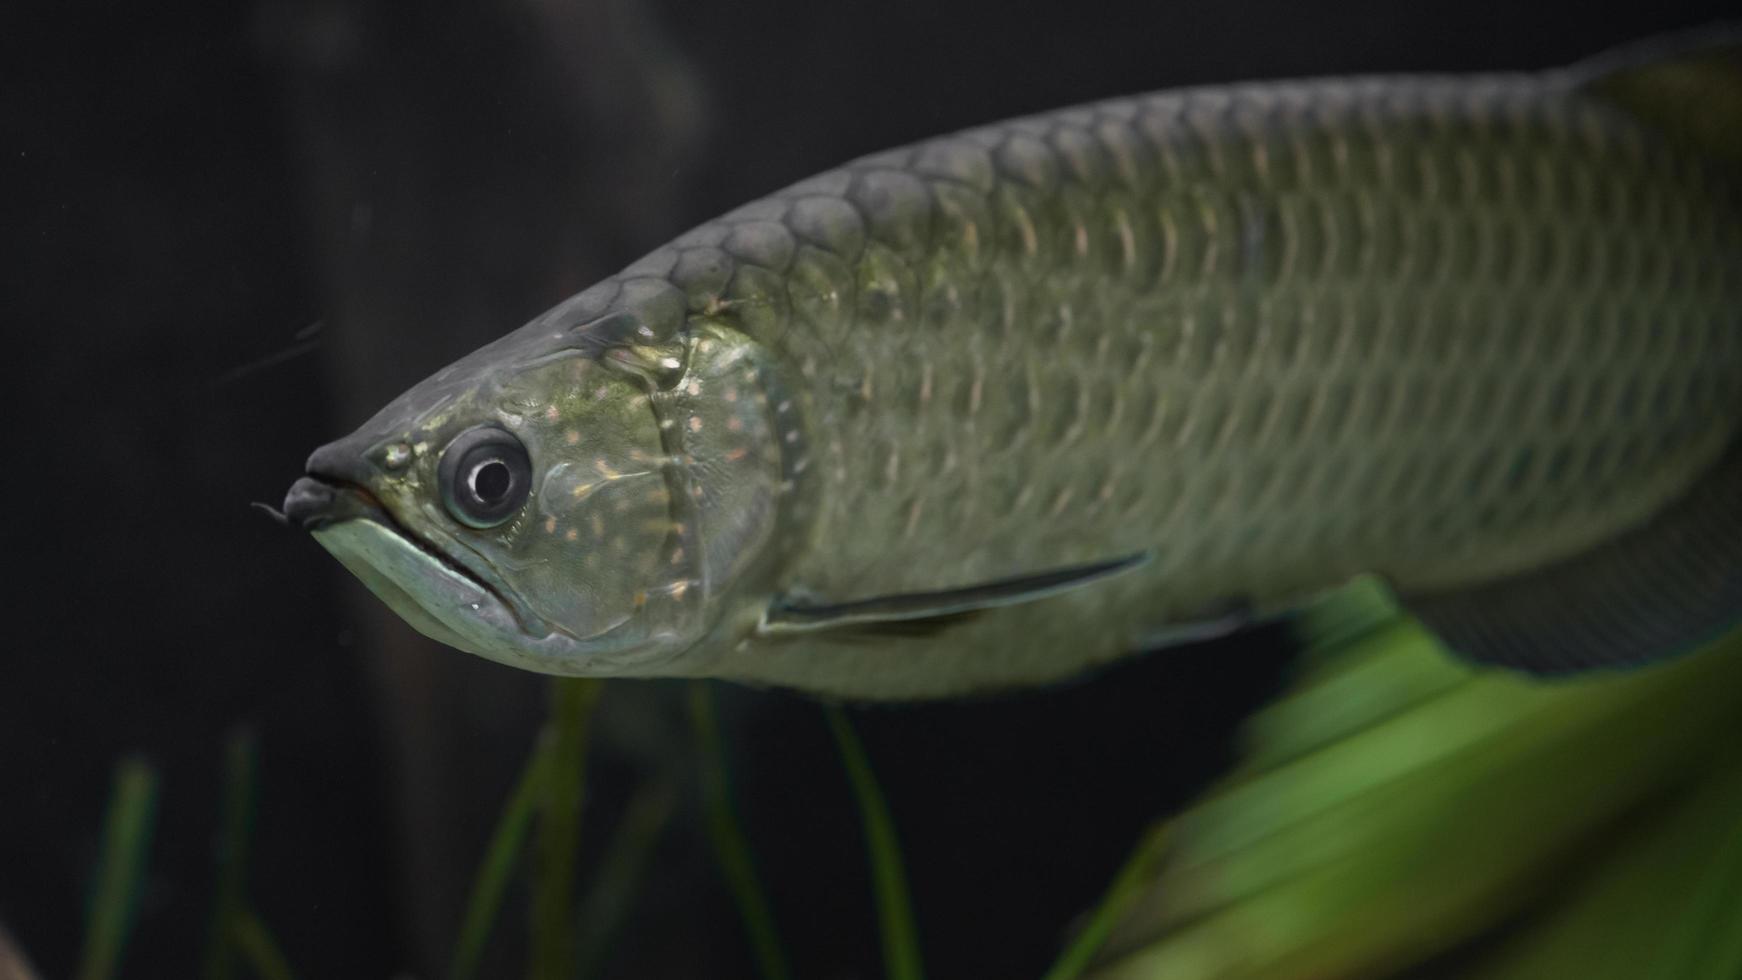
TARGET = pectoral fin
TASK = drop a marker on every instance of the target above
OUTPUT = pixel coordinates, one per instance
(1214, 621)
(921, 613)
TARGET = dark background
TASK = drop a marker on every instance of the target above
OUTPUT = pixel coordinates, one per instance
(195, 194)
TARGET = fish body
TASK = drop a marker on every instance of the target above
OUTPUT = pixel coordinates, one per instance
(998, 406)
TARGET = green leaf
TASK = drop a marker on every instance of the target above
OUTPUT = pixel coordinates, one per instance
(618, 885)
(121, 868)
(497, 867)
(731, 849)
(901, 956)
(259, 949)
(1397, 804)
(1127, 887)
(559, 823)
(237, 821)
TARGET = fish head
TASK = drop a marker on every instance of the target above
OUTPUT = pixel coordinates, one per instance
(550, 505)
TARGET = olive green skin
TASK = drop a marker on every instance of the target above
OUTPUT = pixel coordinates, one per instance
(1275, 335)
(1279, 334)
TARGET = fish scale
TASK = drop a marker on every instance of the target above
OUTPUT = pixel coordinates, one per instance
(1267, 274)
(1212, 304)
(1452, 331)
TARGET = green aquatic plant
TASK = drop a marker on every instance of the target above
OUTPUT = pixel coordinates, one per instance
(238, 936)
(1395, 806)
(1393, 811)
(901, 955)
(603, 913)
(500, 859)
(235, 931)
(236, 820)
(731, 848)
(561, 794)
(897, 932)
(1127, 886)
(261, 952)
(550, 791)
(114, 900)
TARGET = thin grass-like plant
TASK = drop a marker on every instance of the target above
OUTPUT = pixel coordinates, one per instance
(500, 858)
(559, 824)
(901, 955)
(618, 884)
(127, 830)
(731, 848)
(237, 822)
(258, 949)
(1128, 885)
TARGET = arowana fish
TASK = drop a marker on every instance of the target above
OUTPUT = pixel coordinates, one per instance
(998, 406)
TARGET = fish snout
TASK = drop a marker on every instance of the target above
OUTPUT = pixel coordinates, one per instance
(340, 462)
(309, 504)
(336, 486)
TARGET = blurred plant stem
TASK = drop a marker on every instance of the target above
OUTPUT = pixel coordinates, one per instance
(237, 822)
(559, 824)
(1127, 886)
(120, 869)
(901, 956)
(258, 948)
(730, 847)
(498, 864)
(612, 896)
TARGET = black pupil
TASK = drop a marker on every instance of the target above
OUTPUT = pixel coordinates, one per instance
(491, 481)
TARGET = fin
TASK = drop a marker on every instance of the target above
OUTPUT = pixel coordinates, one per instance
(1664, 588)
(1213, 622)
(1689, 84)
(921, 613)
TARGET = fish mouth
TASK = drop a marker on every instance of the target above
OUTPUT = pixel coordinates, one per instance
(451, 601)
(439, 594)
(364, 505)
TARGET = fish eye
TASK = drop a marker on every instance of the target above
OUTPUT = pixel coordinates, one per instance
(485, 475)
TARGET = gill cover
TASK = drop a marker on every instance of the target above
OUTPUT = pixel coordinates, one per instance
(732, 435)
(659, 472)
